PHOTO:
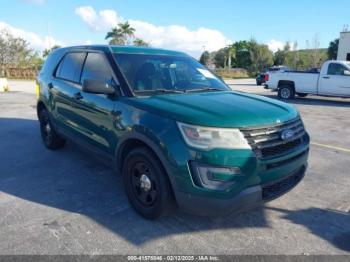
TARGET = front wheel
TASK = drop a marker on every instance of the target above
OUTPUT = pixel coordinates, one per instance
(286, 92)
(146, 184)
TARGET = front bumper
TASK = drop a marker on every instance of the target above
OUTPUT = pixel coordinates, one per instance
(246, 199)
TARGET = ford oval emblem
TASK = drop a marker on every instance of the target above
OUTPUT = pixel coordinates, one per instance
(287, 134)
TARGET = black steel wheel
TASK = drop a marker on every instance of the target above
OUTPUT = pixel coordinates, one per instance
(146, 184)
(48, 134)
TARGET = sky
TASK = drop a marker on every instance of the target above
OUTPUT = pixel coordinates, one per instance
(190, 26)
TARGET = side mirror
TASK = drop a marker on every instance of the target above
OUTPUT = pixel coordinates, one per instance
(97, 87)
(346, 72)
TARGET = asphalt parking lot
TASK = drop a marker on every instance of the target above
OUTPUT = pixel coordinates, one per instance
(70, 202)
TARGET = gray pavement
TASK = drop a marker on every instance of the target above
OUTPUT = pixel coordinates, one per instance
(70, 202)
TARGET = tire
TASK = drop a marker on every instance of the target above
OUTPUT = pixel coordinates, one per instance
(286, 92)
(48, 134)
(146, 184)
(302, 94)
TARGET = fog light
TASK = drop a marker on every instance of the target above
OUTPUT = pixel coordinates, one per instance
(216, 178)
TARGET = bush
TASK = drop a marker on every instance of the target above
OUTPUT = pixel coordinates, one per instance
(21, 73)
(232, 73)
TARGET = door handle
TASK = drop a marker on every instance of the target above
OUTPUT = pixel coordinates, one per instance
(78, 96)
(326, 77)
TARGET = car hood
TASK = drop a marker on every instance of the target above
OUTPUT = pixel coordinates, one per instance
(217, 109)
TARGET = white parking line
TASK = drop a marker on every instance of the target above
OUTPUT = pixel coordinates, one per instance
(331, 147)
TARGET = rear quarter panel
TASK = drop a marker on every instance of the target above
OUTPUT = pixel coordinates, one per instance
(304, 82)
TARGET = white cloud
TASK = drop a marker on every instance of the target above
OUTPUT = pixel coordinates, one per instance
(35, 41)
(275, 45)
(173, 37)
(102, 21)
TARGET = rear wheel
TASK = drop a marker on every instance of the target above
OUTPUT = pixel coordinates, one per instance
(301, 94)
(146, 184)
(48, 134)
(286, 92)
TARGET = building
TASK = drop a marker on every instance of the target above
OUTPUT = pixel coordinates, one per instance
(344, 46)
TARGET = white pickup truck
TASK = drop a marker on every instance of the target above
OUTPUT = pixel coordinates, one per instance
(332, 80)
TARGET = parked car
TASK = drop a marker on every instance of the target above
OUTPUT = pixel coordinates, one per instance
(261, 79)
(332, 80)
(178, 135)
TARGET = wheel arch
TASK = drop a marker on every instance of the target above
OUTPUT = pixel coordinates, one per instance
(286, 83)
(134, 140)
(40, 106)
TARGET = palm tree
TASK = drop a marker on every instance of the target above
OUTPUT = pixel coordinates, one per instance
(140, 42)
(230, 53)
(126, 30)
(116, 37)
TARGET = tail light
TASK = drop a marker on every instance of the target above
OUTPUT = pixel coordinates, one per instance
(266, 77)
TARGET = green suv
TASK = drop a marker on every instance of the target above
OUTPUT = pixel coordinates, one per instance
(177, 133)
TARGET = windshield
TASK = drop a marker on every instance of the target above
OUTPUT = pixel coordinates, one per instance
(151, 73)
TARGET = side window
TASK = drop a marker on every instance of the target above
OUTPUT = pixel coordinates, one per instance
(96, 67)
(336, 69)
(70, 67)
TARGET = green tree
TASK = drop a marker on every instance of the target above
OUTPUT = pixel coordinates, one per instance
(140, 42)
(242, 54)
(224, 57)
(332, 50)
(219, 58)
(287, 47)
(121, 35)
(241, 45)
(15, 52)
(127, 31)
(280, 57)
(115, 36)
(205, 57)
(47, 51)
(261, 57)
(35, 60)
(230, 55)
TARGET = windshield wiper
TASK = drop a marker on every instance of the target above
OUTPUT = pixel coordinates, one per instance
(203, 89)
(159, 90)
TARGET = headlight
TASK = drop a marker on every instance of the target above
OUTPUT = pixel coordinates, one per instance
(208, 138)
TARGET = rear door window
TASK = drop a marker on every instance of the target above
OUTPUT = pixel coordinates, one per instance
(71, 66)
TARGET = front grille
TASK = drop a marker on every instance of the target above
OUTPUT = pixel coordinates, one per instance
(267, 142)
(277, 189)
